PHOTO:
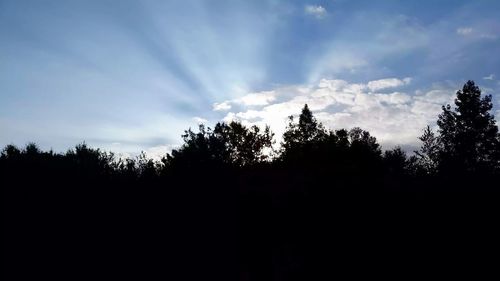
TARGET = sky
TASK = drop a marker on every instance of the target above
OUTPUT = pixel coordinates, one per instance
(131, 76)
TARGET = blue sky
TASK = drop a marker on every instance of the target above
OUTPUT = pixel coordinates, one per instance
(132, 75)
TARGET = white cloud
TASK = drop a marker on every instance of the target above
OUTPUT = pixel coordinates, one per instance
(315, 10)
(157, 152)
(464, 31)
(395, 118)
(438, 96)
(490, 77)
(200, 120)
(388, 83)
(261, 98)
(223, 106)
(252, 99)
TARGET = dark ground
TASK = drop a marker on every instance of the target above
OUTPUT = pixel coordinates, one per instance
(246, 228)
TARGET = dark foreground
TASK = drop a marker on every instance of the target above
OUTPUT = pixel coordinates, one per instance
(247, 227)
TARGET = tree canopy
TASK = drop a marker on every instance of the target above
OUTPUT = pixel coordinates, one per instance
(468, 133)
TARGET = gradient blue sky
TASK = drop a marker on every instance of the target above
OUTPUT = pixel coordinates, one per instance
(132, 75)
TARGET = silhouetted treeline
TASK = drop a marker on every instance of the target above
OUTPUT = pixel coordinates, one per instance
(228, 201)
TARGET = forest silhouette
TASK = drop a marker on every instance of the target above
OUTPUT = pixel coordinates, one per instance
(229, 203)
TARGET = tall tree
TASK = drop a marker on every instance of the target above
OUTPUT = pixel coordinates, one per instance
(304, 133)
(468, 132)
(427, 157)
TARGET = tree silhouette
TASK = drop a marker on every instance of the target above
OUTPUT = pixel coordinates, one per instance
(146, 168)
(362, 140)
(10, 152)
(427, 157)
(90, 163)
(200, 150)
(246, 146)
(301, 140)
(306, 131)
(396, 161)
(227, 145)
(364, 154)
(468, 133)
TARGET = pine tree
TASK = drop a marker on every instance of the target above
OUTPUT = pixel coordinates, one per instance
(468, 132)
(307, 131)
(302, 140)
(427, 157)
